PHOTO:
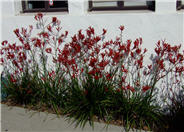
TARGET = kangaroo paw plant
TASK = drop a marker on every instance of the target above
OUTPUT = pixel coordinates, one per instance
(89, 78)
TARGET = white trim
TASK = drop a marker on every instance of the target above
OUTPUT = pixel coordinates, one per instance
(165, 6)
(17, 6)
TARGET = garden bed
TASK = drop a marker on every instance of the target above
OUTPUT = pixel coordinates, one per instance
(87, 78)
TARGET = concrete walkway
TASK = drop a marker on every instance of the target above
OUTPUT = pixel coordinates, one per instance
(15, 119)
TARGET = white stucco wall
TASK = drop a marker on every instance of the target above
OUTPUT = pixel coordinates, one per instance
(165, 23)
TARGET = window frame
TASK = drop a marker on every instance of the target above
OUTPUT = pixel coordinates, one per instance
(119, 7)
(179, 5)
(46, 9)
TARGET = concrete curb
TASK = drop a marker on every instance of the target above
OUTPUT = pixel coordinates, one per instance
(15, 119)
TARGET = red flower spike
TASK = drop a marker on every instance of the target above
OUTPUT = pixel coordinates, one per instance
(130, 88)
(118, 90)
(110, 52)
(158, 50)
(103, 55)
(54, 19)
(145, 73)
(140, 39)
(60, 40)
(58, 29)
(74, 38)
(116, 57)
(48, 50)
(175, 48)
(1, 60)
(45, 34)
(180, 57)
(20, 69)
(80, 35)
(106, 89)
(132, 54)
(129, 42)
(51, 74)
(123, 79)
(30, 28)
(49, 28)
(103, 64)
(21, 40)
(145, 88)
(124, 70)
(104, 32)
(96, 77)
(82, 69)
(128, 47)
(27, 47)
(121, 28)
(39, 16)
(149, 66)
(88, 32)
(4, 42)
(92, 30)
(109, 77)
(13, 80)
(1, 51)
(145, 50)
(136, 43)
(92, 62)
(158, 43)
(140, 63)
(16, 31)
(161, 64)
(138, 51)
(16, 72)
(15, 63)
(85, 92)
(97, 38)
(38, 43)
(123, 88)
(66, 33)
(92, 72)
(97, 50)
(137, 83)
(172, 60)
(10, 55)
(29, 61)
(43, 78)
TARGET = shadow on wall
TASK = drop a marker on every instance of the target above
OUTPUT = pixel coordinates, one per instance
(3, 84)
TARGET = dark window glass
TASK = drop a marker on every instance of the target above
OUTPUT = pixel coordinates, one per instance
(180, 4)
(44, 6)
(35, 4)
(59, 4)
(121, 5)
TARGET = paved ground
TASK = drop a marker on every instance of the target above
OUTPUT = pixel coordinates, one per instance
(15, 119)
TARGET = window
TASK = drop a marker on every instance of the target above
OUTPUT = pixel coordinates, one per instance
(180, 4)
(44, 6)
(121, 5)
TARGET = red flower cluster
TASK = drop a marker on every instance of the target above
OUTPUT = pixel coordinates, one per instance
(168, 59)
(87, 54)
(39, 16)
(48, 50)
(145, 88)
